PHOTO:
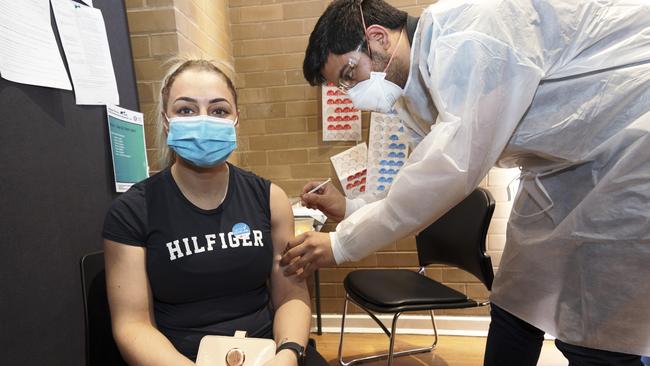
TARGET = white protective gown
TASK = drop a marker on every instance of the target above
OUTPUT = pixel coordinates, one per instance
(561, 89)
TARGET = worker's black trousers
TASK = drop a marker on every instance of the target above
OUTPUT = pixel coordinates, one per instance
(513, 342)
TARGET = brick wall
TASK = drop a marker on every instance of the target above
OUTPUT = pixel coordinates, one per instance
(163, 29)
(280, 129)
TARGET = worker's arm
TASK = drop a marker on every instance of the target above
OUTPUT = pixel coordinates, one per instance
(482, 89)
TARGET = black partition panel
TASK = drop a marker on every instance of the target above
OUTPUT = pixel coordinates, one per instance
(55, 186)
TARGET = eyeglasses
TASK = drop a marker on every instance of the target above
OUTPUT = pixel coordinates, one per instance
(346, 79)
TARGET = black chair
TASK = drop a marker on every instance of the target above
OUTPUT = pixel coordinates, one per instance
(456, 239)
(100, 346)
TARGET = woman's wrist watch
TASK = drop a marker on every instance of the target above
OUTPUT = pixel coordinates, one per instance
(296, 348)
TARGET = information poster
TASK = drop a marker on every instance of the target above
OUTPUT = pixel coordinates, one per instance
(341, 120)
(351, 168)
(83, 35)
(126, 130)
(387, 152)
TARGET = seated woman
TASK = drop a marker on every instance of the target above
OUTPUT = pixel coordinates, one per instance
(195, 249)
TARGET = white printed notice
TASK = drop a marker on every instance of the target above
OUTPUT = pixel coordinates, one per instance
(126, 130)
(387, 152)
(351, 169)
(28, 50)
(341, 120)
(83, 34)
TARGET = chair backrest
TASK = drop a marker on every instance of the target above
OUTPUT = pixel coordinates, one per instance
(458, 237)
(100, 346)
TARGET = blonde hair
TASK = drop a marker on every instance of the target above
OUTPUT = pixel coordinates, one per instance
(167, 157)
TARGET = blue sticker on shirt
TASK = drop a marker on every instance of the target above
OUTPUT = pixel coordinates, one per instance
(241, 230)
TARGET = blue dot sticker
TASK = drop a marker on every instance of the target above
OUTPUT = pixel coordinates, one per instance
(241, 230)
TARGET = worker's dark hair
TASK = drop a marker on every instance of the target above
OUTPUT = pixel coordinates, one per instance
(340, 30)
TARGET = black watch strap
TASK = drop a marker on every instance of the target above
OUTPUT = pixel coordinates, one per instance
(296, 348)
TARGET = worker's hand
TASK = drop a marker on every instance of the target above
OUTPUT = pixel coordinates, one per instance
(327, 199)
(307, 252)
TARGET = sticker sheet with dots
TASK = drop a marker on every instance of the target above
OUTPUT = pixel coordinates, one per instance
(341, 120)
(387, 152)
(351, 169)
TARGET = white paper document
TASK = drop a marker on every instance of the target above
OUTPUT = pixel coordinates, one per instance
(351, 169)
(387, 152)
(28, 50)
(341, 120)
(84, 39)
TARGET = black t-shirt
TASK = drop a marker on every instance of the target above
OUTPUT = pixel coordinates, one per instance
(208, 269)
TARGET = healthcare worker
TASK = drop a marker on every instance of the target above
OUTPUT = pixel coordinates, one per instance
(558, 88)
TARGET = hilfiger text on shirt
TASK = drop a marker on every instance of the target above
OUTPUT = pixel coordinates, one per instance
(193, 244)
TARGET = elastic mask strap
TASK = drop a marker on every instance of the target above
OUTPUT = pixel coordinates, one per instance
(365, 29)
(399, 40)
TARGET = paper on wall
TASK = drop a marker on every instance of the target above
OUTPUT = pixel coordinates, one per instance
(351, 169)
(28, 50)
(129, 152)
(341, 120)
(84, 39)
(387, 152)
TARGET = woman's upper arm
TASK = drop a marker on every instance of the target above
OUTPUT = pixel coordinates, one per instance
(281, 230)
(127, 285)
(281, 218)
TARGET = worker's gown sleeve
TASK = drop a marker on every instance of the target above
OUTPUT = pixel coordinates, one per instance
(481, 88)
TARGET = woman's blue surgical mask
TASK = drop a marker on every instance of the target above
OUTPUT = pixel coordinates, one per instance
(203, 141)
